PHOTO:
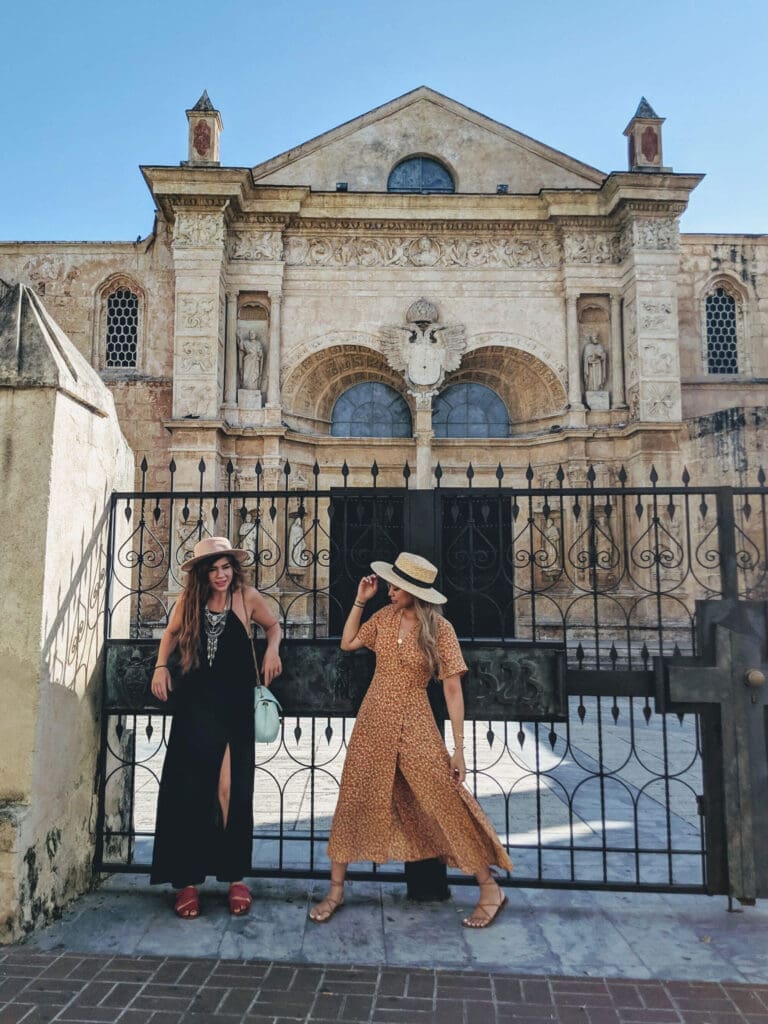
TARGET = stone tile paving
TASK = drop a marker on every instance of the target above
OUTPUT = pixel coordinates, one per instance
(37, 988)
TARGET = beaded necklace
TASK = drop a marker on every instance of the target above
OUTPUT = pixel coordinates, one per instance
(213, 626)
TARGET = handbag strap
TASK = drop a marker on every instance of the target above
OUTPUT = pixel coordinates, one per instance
(253, 648)
(259, 683)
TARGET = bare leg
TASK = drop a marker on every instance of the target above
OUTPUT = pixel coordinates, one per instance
(239, 896)
(225, 785)
(489, 904)
(325, 909)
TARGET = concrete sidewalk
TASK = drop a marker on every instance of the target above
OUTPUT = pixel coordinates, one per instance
(540, 932)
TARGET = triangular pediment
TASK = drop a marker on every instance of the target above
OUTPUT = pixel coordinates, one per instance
(480, 153)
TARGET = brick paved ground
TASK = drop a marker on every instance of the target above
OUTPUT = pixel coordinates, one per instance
(36, 988)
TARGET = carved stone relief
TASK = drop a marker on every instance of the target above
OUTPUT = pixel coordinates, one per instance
(424, 251)
(659, 359)
(261, 245)
(195, 398)
(196, 312)
(650, 233)
(197, 358)
(660, 402)
(590, 247)
(198, 230)
(422, 349)
(523, 344)
(657, 316)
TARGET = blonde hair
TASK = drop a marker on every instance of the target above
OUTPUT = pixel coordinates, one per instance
(428, 618)
(193, 598)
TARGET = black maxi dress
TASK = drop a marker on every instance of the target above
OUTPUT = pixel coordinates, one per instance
(212, 708)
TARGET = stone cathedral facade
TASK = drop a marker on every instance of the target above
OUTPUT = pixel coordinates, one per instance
(423, 285)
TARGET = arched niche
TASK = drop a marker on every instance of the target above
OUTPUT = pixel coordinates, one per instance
(310, 390)
(529, 388)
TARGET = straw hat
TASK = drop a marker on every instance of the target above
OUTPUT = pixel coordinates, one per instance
(413, 574)
(211, 547)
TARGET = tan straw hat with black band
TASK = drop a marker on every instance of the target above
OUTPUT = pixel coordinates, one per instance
(213, 547)
(413, 574)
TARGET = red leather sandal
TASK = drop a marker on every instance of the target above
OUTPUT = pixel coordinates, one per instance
(187, 902)
(240, 899)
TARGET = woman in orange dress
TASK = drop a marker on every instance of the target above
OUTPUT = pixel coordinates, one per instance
(401, 796)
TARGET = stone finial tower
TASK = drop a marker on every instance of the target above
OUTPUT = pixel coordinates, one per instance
(204, 130)
(644, 135)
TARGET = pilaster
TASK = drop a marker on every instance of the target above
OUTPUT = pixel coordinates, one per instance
(198, 250)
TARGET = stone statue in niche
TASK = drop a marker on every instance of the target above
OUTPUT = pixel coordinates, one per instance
(594, 363)
(250, 359)
(251, 339)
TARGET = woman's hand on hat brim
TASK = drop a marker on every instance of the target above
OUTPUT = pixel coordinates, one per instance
(367, 587)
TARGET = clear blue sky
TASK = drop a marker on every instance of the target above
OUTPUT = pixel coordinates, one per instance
(93, 90)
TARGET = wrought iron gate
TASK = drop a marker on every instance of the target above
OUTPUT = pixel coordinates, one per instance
(597, 758)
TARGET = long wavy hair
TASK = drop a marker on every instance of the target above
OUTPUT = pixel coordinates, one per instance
(428, 618)
(192, 601)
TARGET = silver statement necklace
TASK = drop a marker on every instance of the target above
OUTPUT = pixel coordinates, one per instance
(213, 624)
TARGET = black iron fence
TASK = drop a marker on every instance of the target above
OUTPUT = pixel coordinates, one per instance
(594, 786)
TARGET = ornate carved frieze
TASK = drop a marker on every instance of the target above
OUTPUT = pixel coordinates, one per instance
(591, 247)
(255, 245)
(198, 230)
(195, 312)
(423, 251)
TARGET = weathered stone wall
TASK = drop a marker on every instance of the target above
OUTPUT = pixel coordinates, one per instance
(64, 453)
(740, 263)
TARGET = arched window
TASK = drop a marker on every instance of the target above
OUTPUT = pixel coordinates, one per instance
(122, 329)
(469, 410)
(371, 409)
(420, 174)
(722, 340)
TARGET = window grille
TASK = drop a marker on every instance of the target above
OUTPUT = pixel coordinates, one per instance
(420, 174)
(371, 409)
(122, 328)
(722, 350)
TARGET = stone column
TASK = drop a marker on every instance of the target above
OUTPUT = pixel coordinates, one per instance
(230, 379)
(577, 411)
(198, 250)
(274, 403)
(617, 354)
(423, 433)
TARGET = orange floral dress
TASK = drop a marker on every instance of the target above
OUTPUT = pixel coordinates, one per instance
(397, 799)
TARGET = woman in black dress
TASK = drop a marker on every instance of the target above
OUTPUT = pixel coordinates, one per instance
(205, 807)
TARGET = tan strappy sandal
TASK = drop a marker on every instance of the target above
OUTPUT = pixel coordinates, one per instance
(490, 911)
(330, 903)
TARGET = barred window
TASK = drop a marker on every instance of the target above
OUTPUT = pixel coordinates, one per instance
(722, 349)
(371, 409)
(122, 328)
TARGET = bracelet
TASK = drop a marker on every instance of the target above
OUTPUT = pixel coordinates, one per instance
(157, 667)
(358, 605)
